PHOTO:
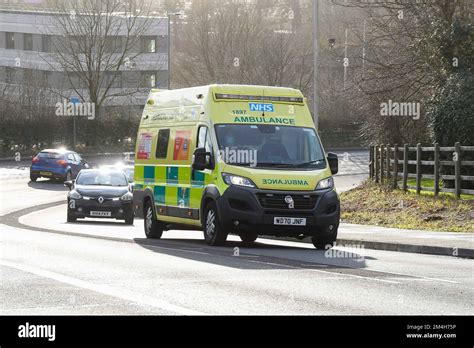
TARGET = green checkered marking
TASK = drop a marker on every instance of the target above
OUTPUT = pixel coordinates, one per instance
(172, 186)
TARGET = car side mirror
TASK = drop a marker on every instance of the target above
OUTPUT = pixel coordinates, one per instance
(201, 159)
(333, 161)
(69, 184)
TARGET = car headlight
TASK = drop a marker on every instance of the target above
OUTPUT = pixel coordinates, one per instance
(127, 197)
(236, 180)
(75, 195)
(326, 184)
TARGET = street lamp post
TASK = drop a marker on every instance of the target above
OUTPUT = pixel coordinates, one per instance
(316, 64)
(168, 15)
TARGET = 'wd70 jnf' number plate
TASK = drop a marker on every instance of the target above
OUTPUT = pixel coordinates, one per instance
(284, 221)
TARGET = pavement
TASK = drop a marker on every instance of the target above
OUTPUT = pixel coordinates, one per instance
(410, 241)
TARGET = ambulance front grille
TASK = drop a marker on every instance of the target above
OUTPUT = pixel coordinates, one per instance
(278, 201)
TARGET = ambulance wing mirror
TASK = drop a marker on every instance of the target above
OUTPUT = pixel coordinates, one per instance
(333, 163)
(201, 159)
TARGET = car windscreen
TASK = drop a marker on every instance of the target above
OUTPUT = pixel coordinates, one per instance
(50, 155)
(130, 173)
(102, 178)
(270, 146)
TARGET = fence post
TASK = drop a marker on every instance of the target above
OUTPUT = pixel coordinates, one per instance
(395, 166)
(405, 167)
(377, 164)
(382, 174)
(371, 162)
(418, 169)
(387, 153)
(436, 170)
(457, 169)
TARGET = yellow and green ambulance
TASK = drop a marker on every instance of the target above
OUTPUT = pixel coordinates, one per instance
(243, 160)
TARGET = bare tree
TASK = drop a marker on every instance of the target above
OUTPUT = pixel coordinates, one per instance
(98, 39)
(400, 51)
(243, 43)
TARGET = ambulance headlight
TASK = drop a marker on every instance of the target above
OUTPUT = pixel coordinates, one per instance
(326, 184)
(235, 180)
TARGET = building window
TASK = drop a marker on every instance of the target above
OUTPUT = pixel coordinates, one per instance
(9, 75)
(46, 78)
(28, 42)
(148, 44)
(113, 79)
(74, 80)
(113, 44)
(47, 45)
(10, 41)
(29, 77)
(149, 79)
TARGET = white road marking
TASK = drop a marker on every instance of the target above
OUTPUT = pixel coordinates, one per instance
(314, 265)
(418, 276)
(103, 289)
(327, 272)
(29, 310)
(174, 249)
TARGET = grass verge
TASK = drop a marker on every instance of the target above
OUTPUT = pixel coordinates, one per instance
(379, 205)
(429, 183)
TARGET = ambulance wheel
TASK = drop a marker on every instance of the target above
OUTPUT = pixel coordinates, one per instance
(248, 237)
(326, 237)
(214, 234)
(323, 243)
(153, 228)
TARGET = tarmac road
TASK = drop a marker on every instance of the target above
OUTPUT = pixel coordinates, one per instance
(100, 267)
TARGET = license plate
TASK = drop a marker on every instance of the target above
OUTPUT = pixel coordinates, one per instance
(101, 213)
(289, 221)
(46, 173)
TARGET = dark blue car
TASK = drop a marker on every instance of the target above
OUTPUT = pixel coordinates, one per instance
(59, 164)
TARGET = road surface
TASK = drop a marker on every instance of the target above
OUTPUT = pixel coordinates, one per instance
(98, 267)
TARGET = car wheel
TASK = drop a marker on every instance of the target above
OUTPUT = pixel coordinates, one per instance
(248, 237)
(71, 218)
(214, 234)
(153, 228)
(325, 241)
(33, 178)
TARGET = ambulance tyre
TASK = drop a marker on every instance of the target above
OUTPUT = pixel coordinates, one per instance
(325, 242)
(153, 228)
(214, 234)
(248, 237)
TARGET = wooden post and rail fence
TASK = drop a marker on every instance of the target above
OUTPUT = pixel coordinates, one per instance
(391, 164)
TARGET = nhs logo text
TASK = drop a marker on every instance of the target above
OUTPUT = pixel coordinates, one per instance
(262, 107)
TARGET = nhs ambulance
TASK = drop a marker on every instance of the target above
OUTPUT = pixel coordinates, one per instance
(229, 159)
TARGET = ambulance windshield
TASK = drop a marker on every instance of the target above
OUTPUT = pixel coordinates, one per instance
(269, 146)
